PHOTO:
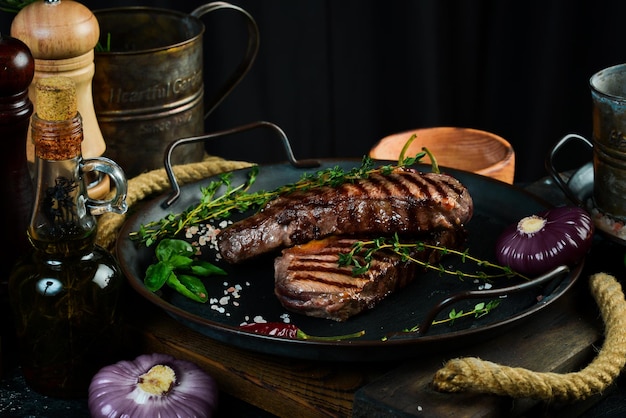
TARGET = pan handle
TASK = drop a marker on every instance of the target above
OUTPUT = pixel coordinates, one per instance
(476, 294)
(260, 124)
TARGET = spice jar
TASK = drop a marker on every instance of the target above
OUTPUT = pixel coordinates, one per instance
(66, 293)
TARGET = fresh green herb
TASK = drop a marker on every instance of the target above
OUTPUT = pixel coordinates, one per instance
(177, 268)
(412, 160)
(361, 255)
(480, 309)
(14, 6)
(104, 48)
(239, 199)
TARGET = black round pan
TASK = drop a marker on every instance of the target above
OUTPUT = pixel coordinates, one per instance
(497, 205)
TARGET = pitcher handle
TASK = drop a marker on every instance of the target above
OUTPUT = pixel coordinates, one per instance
(248, 59)
(554, 173)
(117, 203)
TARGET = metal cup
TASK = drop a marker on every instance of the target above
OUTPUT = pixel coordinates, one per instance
(608, 93)
(148, 88)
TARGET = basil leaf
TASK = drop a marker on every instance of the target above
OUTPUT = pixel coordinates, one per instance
(174, 259)
(179, 261)
(156, 275)
(204, 268)
(169, 247)
(189, 286)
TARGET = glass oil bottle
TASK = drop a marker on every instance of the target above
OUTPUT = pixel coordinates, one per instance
(66, 293)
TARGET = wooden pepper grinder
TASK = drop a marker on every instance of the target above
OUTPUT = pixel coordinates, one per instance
(62, 35)
(17, 67)
(16, 73)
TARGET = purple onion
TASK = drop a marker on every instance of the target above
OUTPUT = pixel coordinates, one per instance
(152, 385)
(539, 243)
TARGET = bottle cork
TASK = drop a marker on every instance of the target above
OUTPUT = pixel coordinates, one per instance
(57, 129)
(56, 98)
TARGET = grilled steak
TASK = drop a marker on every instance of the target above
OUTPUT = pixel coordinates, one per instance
(404, 202)
(309, 280)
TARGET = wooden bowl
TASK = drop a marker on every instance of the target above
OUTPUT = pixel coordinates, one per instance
(465, 149)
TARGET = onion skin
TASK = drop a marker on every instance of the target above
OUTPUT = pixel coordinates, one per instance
(564, 238)
(114, 391)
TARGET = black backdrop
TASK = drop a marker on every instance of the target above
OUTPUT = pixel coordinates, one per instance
(339, 75)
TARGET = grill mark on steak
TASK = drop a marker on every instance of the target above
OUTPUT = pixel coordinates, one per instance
(309, 280)
(317, 264)
(404, 202)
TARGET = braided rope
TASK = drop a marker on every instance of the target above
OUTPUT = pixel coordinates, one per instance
(473, 374)
(155, 182)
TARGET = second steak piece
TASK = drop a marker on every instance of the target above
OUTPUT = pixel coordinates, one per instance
(404, 202)
(310, 281)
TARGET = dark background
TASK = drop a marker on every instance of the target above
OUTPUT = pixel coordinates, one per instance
(339, 75)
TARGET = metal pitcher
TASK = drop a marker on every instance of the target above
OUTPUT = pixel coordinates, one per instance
(608, 93)
(148, 87)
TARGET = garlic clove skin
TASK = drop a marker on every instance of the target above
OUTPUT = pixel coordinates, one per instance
(152, 385)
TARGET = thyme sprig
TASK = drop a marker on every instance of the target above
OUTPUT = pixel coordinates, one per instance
(480, 309)
(361, 255)
(238, 199)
